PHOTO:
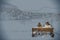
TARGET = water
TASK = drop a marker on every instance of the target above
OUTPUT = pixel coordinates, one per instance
(22, 30)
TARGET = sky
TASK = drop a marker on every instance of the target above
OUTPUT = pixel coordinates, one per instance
(35, 5)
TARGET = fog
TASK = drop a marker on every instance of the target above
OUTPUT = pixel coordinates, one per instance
(17, 24)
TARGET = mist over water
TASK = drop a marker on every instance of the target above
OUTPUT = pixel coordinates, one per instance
(16, 24)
